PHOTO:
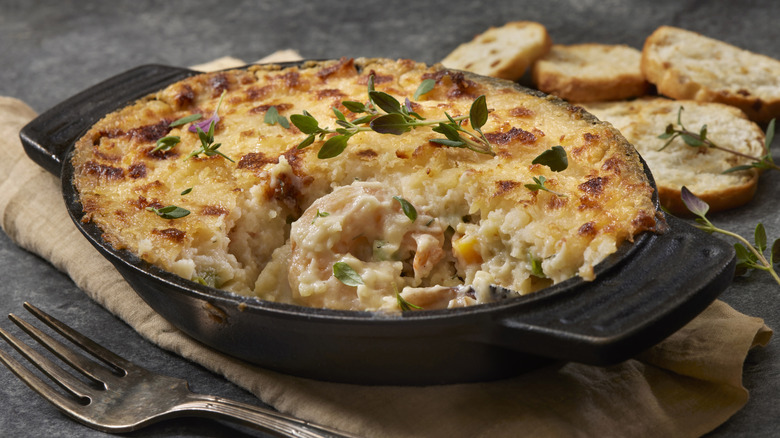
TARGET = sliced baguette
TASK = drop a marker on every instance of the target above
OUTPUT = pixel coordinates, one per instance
(686, 65)
(503, 52)
(698, 168)
(590, 72)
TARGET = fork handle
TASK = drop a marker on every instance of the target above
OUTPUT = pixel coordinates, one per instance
(250, 415)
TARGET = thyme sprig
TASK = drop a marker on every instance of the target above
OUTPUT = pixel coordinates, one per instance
(384, 114)
(749, 256)
(700, 139)
(207, 145)
(556, 159)
(539, 185)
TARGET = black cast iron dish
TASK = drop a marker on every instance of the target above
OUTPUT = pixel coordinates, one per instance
(642, 294)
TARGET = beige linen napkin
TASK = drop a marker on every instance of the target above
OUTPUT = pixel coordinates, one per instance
(686, 386)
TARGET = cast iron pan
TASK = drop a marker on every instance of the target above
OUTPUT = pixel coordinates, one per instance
(642, 294)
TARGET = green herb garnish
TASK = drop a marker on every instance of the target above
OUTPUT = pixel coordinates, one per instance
(425, 87)
(273, 117)
(700, 139)
(555, 158)
(207, 145)
(185, 120)
(167, 143)
(749, 256)
(407, 208)
(384, 114)
(345, 274)
(539, 185)
(208, 278)
(186, 191)
(405, 305)
(536, 265)
(169, 212)
(320, 214)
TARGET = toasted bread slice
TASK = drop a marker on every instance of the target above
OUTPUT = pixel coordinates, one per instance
(503, 52)
(590, 72)
(698, 168)
(687, 65)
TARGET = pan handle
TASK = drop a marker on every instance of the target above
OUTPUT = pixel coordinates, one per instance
(47, 138)
(674, 277)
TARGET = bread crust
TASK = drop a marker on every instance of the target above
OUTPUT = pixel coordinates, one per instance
(665, 69)
(721, 200)
(504, 52)
(613, 72)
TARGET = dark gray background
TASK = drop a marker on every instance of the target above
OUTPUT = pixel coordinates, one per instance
(50, 50)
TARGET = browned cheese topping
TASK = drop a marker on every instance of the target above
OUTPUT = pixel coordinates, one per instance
(275, 220)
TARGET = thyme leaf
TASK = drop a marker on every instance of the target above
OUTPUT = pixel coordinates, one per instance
(478, 114)
(185, 120)
(167, 143)
(424, 88)
(346, 274)
(333, 147)
(169, 212)
(273, 117)
(407, 208)
(385, 102)
(305, 122)
(555, 158)
(394, 124)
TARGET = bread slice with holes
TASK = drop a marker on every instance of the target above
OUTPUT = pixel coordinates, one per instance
(503, 52)
(590, 72)
(687, 65)
(699, 168)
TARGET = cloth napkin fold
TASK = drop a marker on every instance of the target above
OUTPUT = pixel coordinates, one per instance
(684, 387)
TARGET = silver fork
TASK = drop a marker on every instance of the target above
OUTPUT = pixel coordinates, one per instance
(122, 396)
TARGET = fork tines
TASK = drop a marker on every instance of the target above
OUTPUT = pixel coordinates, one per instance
(95, 373)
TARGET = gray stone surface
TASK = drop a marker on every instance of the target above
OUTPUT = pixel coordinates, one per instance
(52, 49)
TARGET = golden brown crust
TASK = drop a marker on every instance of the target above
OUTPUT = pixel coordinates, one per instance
(241, 210)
